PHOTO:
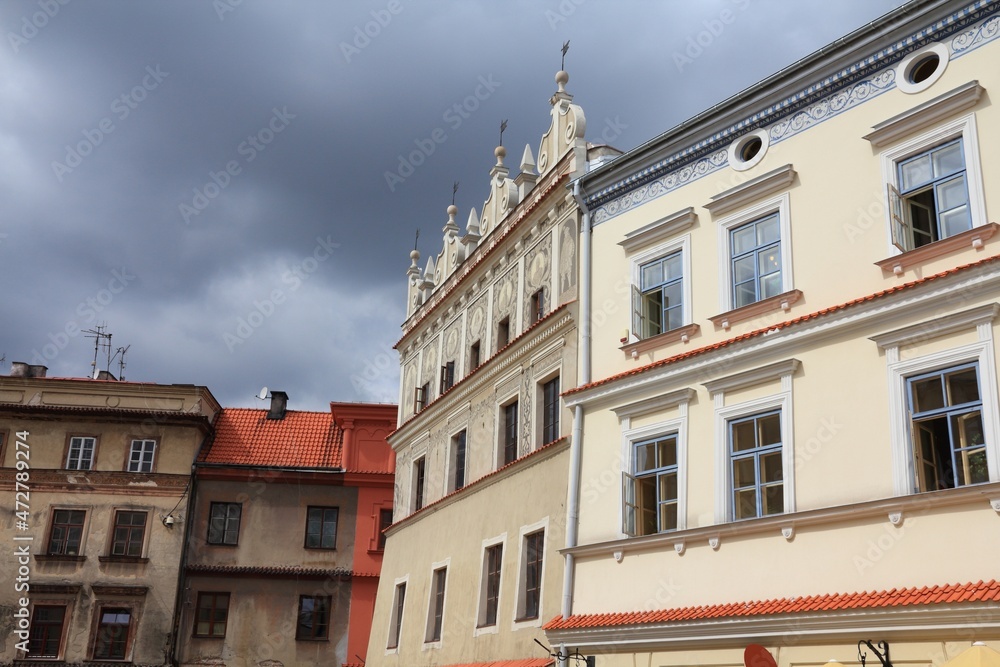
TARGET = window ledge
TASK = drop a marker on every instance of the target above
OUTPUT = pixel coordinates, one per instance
(59, 558)
(781, 301)
(122, 559)
(646, 344)
(974, 238)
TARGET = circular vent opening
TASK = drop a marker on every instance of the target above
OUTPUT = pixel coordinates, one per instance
(748, 150)
(924, 68)
(921, 69)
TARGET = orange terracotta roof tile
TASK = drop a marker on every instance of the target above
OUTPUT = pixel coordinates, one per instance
(244, 436)
(780, 325)
(897, 597)
(524, 662)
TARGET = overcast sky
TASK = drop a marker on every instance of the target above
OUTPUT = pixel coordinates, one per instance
(232, 186)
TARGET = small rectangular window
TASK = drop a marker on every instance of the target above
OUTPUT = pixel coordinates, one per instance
(458, 444)
(537, 306)
(66, 533)
(755, 260)
(81, 453)
(490, 593)
(659, 300)
(550, 411)
(212, 615)
(384, 521)
(113, 629)
(224, 523)
(932, 199)
(421, 397)
(447, 376)
(531, 576)
(651, 493)
(46, 632)
(756, 467)
(314, 618)
(321, 527)
(396, 624)
(435, 615)
(474, 360)
(509, 433)
(141, 455)
(419, 469)
(503, 333)
(129, 531)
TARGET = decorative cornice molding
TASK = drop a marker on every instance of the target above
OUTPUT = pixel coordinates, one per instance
(754, 189)
(754, 376)
(925, 115)
(663, 402)
(660, 230)
(967, 319)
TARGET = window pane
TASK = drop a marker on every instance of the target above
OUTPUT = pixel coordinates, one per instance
(915, 172)
(927, 394)
(770, 430)
(955, 221)
(743, 473)
(952, 194)
(768, 230)
(963, 387)
(672, 267)
(971, 466)
(770, 467)
(672, 295)
(744, 239)
(645, 457)
(948, 159)
(652, 275)
(666, 450)
(743, 435)
(743, 269)
(668, 517)
(768, 261)
(746, 504)
(668, 487)
(745, 294)
(774, 499)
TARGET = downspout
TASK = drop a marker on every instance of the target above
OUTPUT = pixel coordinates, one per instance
(576, 441)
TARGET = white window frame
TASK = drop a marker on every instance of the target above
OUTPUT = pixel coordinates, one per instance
(980, 352)
(676, 427)
(781, 400)
(451, 464)
(522, 567)
(779, 205)
(131, 452)
(539, 404)
(681, 244)
(412, 499)
(446, 564)
(394, 620)
(79, 459)
(963, 128)
(478, 628)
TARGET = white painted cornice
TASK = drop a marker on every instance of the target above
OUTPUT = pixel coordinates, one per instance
(925, 115)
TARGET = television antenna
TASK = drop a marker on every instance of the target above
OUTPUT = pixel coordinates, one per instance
(102, 339)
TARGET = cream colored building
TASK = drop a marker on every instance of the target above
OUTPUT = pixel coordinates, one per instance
(472, 566)
(792, 418)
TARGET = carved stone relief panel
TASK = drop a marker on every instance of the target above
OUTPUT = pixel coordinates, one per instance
(567, 258)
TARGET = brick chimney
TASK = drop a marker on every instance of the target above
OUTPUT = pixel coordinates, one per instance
(279, 404)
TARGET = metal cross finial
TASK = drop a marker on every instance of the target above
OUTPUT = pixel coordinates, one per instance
(454, 190)
(416, 238)
(565, 48)
(503, 126)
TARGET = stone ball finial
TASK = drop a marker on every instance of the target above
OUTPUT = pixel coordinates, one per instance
(414, 254)
(500, 152)
(562, 78)
(452, 211)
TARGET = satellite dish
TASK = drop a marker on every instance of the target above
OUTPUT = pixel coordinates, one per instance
(756, 655)
(263, 393)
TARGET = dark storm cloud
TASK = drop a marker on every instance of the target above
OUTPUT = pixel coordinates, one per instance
(209, 178)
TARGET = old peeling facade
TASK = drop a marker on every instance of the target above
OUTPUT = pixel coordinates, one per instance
(102, 470)
(285, 541)
(472, 568)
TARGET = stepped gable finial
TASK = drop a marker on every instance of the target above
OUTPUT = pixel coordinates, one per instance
(472, 226)
(500, 152)
(527, 161)
(451, 227)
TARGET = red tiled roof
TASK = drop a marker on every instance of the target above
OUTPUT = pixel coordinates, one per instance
(781, 325)
(244, 436)
(897, 597)
(523, 662)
